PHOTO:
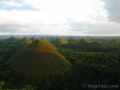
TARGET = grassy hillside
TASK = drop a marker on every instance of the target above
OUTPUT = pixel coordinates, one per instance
(33, 39)
(84, 43)
(97, 44)
(60, 41)
(24, 42)
(39, 58)
(115, 41)
(72, 39)
(12, 39)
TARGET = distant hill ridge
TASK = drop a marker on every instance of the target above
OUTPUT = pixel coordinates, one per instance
(24, 42)
(39, 58)
(89, 43)
(12, 39)
(33, 39)
(60, 41)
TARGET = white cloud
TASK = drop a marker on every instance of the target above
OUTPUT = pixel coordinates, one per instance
(61, 17)
(113, 8)
(54, 25)
(77, 9)
(12, 3)
(95, 27)
(10, 26)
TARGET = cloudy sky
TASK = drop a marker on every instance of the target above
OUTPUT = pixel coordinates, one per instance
(60, 17)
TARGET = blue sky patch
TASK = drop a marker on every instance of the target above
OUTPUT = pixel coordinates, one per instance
(23, 6)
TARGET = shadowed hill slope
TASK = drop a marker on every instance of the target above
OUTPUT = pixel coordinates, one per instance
(83, 43)
(33, 39)
(97, 44)
(39, 58)
(12, 39)
(60, 41)
(115, 41)
(24, 42)
(72, 39)
(89, 44)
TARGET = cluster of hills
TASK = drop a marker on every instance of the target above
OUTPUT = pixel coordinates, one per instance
(79, 44)
(56, 62)
(76, 42)
(59, 41)
(89, 43)
(38, 58)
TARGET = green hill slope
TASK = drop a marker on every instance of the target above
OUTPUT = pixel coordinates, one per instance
(115, 41)
(97, 44)
(33, 39)
(60, 41)
(83, 43)
(24, 42)
(12, 39)
(39, 58)
(90, 45)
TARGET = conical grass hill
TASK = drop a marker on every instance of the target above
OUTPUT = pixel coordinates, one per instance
(24, 42)
(39, 58)
(97, 44)
(12, 39)
(83, 43)
(33, 39)
(60, 41)
(115, 41)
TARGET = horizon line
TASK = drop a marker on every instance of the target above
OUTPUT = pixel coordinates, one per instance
(53, 35)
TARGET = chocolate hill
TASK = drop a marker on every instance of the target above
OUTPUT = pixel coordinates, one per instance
(115, 41)
(84, 43)
(12, 39)
(97, 44)
(24, 42)
(60, 41)
(39, 58)
(33, 39)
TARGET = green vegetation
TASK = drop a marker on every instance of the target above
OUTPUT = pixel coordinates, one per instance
(75, 65)
(29, 87)
(1, 84)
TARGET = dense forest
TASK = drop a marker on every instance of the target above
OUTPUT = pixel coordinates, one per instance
(95, 63)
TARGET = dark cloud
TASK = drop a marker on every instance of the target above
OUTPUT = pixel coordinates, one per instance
(113, 8)
(94, 27)
(4, 6)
